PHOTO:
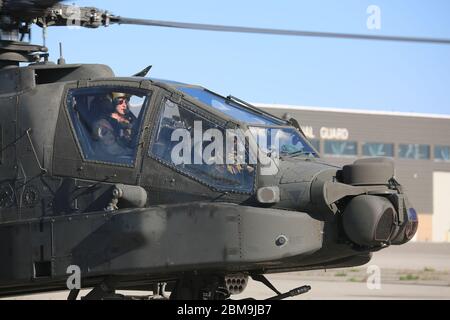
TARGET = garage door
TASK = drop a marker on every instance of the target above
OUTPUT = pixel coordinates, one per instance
(441, 206)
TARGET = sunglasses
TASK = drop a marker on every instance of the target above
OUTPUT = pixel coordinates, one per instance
(121, 101)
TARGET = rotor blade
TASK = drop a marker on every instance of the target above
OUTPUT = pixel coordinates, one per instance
(237, 29)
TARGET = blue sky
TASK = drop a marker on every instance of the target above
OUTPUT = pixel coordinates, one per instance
(276, 69)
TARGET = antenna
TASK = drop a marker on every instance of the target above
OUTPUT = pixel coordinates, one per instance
(61, 59)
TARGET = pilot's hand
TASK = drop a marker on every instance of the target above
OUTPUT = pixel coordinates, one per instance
(234, 168)
(104, 132)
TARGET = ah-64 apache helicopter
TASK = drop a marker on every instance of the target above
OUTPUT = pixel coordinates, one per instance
(88, 179)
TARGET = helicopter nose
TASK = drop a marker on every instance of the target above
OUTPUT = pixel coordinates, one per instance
(370, 220)
(368, 200)
(381, 217)
(408, 229)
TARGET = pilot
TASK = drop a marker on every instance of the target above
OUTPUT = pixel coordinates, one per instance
(233, 171)
(122, 119)
(115, 130)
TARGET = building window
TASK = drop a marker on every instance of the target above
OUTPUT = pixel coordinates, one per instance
(414, 151)
(316, 144)
(378, 149)
(340, 148)
(442, 153)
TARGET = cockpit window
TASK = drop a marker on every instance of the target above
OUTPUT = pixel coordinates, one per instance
(282, 141)
(196, 146)
(107, 122)
(229, 107)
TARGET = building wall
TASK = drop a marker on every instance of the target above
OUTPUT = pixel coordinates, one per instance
(425, 231)
(441, 214)
(415, 174)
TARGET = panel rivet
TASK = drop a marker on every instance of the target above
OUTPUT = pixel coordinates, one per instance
(281, 241)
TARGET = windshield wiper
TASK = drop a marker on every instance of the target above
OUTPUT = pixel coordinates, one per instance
(300, 153)
(250, 106)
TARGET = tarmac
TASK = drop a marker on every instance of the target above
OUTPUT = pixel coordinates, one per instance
(412, 271)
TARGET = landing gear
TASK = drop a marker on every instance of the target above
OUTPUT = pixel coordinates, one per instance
(104, 291)
(159, 291)
(107, 291)
(191, 287)
(220, 288)
(73, 294)
(200, 288)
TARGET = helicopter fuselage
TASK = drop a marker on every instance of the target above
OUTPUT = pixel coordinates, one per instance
(138, 217)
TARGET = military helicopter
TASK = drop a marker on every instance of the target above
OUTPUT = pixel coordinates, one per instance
(89, 177)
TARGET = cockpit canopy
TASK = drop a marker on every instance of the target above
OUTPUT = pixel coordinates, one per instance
(273, 135)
